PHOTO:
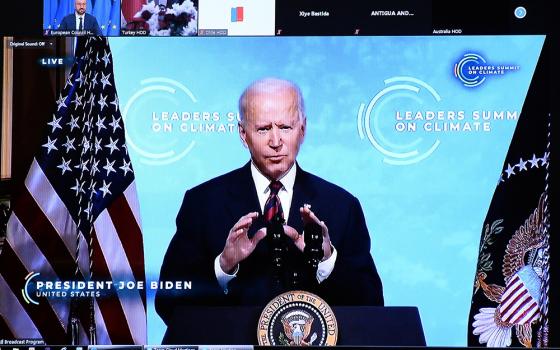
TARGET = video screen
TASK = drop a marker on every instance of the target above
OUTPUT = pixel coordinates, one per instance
(82, 17)
(159, 18)
(392, 120)
(239, 18)
(148, 170)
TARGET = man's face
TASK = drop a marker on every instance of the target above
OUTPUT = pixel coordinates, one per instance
(273, 130)
(80, 6)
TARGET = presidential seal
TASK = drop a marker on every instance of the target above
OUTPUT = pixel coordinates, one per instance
(297, 318)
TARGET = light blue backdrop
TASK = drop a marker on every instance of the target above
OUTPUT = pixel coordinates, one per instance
(424, 218)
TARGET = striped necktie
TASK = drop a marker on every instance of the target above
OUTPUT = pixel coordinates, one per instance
(273, 206)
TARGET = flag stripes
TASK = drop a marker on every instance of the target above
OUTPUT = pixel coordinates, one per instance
(81, 181)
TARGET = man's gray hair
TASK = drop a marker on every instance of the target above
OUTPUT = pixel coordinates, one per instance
(270, 85)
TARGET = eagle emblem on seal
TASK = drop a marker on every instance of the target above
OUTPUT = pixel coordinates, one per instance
(518, 301)
(297, 327)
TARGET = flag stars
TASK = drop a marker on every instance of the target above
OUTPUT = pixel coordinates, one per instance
(80, 78)
(109, 167)
(83, 166)
(69, 144)
(94, 81)
(115, 123)
(105, 80)
(115, 103)
(100, 123)
(105, 58)
(102, 102)
(544, 159)
(61, 102)
(85, 143)
(77, 101)
(87, 125)
(521, 164)
(65, 165)
(91, 102)
(510, 170)
(69, 81)
(88, 210)
(125, 167)
(112, 145)
(50, 145)
(93, 191)
(97, 145)
(84, 104)
(94, 167)
(105, 188)
(55, 124)
(73, 123)
(78, 187)
(534, 161)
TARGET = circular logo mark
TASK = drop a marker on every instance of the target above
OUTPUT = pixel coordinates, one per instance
(297, 318)
(155, 149)
(467, 70)
(25, 291)
(399, 90)
(520, 12)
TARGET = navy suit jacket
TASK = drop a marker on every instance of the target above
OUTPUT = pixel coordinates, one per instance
(211, 209)
(90, 23)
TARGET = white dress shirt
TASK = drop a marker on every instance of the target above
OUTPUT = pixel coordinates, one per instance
(285, 194)
(83, 17)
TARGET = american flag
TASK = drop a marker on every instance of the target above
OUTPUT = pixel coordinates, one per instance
(78, 217)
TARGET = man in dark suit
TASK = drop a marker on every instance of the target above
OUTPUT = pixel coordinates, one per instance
(219, 245)
(80, 20)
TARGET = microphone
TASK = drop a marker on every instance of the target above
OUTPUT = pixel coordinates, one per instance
(313, 252)
(277, 245)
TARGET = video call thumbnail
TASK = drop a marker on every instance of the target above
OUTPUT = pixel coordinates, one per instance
(82, 17)
(237, 18)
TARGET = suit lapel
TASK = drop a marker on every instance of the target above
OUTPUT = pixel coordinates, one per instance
(242, 195)
(304, 193)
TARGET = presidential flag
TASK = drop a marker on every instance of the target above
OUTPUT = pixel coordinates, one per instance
(511, 292)
(78, 218)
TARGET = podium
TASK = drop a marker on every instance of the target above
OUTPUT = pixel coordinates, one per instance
(357, 325)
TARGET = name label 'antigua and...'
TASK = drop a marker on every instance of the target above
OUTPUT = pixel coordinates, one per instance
(390, 13)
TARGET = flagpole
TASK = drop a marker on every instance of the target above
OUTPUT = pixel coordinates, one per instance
(73, 324)
(89, 206)
(92, 326)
